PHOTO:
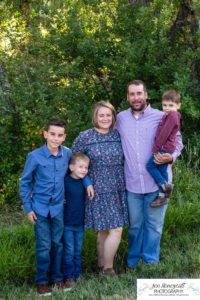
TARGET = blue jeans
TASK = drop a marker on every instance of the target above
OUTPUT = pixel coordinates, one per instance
(72, 257)
(49, 247)
(145, 228)
(158, 172)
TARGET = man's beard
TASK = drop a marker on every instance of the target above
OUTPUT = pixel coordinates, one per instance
(141, 108)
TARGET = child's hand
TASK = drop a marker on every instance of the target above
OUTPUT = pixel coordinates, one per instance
(32, 217)
(90, 192)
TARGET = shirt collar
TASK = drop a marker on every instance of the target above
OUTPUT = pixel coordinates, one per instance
(48, 153)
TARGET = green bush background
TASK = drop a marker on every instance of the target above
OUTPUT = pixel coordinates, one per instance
(57, 58)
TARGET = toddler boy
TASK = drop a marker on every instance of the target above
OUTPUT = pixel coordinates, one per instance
(165, 142)
(74, 211)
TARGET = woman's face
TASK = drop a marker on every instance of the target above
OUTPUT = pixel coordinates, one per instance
(104, 118)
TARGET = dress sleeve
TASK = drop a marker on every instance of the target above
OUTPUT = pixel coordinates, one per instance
(79, 144)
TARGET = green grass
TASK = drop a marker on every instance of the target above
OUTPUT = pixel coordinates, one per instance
(180, 250)
(179, 259)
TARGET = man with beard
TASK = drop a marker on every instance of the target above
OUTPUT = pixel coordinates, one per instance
(137, 127)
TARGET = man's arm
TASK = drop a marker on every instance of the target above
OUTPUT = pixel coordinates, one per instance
(179, 146)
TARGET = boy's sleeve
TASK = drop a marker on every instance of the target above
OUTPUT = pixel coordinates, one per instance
(26, 181)
(172, 122)
(87, 181)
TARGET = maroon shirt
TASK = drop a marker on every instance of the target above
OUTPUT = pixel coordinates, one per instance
(166, 133)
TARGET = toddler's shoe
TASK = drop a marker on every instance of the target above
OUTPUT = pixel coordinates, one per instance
(69, 284)
(43, 290)
(57, 285)
(64, 285)
(78, 279)
(168, 187)
(159, 201)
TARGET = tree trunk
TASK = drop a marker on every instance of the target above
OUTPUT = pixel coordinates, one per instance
(186, 25)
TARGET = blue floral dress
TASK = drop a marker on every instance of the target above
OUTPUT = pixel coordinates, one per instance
(108, 209)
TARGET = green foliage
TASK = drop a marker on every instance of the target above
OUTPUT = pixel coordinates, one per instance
(9, 189)
(59, 57)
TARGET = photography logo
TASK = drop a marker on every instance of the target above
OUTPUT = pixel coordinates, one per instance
(160, 289)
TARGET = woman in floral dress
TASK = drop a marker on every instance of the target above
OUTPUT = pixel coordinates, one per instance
(107, 211)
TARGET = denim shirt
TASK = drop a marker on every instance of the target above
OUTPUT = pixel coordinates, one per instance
(42, 181)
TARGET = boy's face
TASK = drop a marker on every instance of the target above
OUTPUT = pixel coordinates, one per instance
(169, 105)
(79, 169)
(55, 136)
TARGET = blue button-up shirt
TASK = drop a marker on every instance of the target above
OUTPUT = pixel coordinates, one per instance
(42, 181)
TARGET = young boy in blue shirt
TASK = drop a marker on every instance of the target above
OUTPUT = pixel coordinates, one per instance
(74, 213)
(42, 193)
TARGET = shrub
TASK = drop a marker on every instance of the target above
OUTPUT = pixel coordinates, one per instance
(9, 192)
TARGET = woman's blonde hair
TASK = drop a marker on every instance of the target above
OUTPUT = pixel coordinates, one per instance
(100, 104)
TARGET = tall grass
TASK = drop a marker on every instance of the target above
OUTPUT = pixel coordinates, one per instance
(16, 254)
(184, 208)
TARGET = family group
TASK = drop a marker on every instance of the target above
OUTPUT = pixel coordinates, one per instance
(116, 174)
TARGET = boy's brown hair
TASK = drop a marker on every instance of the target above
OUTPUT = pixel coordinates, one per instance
(56, 122)
(171, 95)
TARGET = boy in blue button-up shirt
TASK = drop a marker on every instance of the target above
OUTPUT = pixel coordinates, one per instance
(42, 193)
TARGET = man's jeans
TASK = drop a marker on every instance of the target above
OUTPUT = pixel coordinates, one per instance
(72, 258)
(49, 247)
(145, 228)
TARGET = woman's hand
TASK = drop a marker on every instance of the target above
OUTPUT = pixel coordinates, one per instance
(90, 192)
